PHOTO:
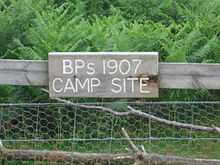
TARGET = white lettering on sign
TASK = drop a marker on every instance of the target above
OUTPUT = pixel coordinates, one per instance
(89, 84)
(110, 67)
(72, 74)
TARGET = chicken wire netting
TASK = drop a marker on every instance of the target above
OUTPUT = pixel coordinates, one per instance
(87, 128)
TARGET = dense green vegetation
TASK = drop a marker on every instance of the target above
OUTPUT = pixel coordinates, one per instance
(181, 30)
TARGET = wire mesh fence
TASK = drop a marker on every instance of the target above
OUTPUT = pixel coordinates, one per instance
(96, 128)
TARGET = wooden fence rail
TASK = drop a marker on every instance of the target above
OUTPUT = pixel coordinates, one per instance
(171, 75)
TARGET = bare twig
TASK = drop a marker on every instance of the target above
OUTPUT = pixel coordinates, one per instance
(141, 114)
(173, 123)
(1, 146)
(143, 149)
(99, 108)
(131, 144)
(216, 128)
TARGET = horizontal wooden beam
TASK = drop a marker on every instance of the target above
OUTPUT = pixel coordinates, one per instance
(24, 72)
(171, 75)
(189, 76)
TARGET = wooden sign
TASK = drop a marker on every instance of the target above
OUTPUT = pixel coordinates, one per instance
(103, 74)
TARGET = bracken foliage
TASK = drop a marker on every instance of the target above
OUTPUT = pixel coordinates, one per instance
(181, 30)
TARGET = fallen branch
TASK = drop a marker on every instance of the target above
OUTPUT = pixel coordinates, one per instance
(99, 108)
(62, 156)
(173, 123)
(73, 157)
(141, 114)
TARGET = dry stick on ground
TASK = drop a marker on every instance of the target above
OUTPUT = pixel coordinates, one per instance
(140, 158)
(62, 156)
(141, 114)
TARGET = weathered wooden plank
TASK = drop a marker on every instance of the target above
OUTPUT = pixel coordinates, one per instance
(189, 76)
(171, 75)
(23, 72)
(103, 74)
